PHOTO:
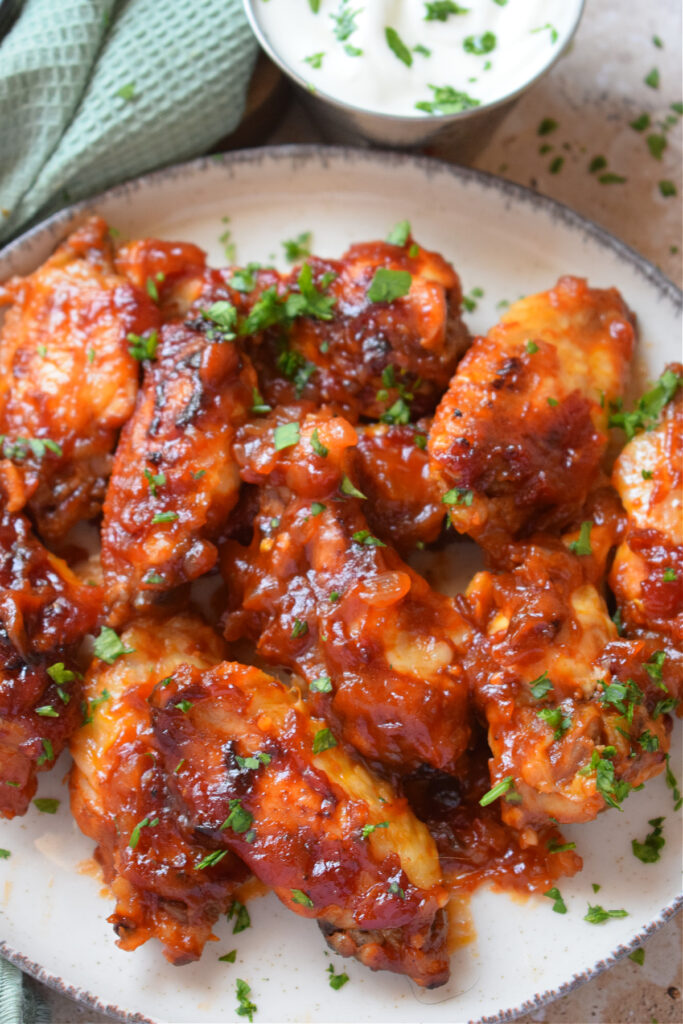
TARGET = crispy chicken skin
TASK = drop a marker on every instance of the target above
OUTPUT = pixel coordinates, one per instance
(647, 574)
(368, 355)
(239, 751)
(44, 612)
(66, 375)
(320, 594)
(174, 481)
(120, 798)
(519, 436)
(404, 506)
(572, 712)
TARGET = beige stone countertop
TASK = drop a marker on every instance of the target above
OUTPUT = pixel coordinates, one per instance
(593, 94)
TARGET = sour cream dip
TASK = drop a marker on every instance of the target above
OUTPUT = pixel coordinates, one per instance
(412, 58)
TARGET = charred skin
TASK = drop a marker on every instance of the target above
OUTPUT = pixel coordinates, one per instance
(520, 434)
(66, 375)
(320, 595)
(174, 481)
(647, 574)
(118, 781)
(545, 619)
(250, 782)
(44, 612)
(368, 355)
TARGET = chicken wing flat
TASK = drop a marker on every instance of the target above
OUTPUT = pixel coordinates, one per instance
(520, 434)
(174, 480)
(576, 717)
(155, 866)
(374, 334)
(404, 506)
(67, 379)
(259, 777)
(321, 595)
(647, 574)
(44, 612)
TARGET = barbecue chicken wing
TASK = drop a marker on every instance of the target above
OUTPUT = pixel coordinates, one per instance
(174, 480)
(259, 777)
(44, 612)
(152, 862)
(331, 332)
(519, 436)
(575, 716)
(321, 595)
(67, 379)
(647, 574)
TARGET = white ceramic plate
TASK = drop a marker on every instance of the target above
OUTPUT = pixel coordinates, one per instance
(509, 242)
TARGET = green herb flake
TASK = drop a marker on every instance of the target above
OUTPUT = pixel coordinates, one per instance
(559, 906)
(164, 517)
(556, 719)
(364, 537)
(652, 79)
(253, 761)
(210, 860)
(317, 446)
(598, 915)
(245, 1007)
(323, 684)
(60, 674)
(143, 346)
(555, 847)
(337, 981)
(531, 348)
(345, 21)
(346, 487)
(4, 854)
(300, 897)
(135, 834)
(298, 248)
(667, 188)
(554, 35)
(48, 753)
(228, 958)
(183, 705)
(258, 406)
(317, 508)
(598, 163)
(648, 850)
(638, 956)
(300, 628)
(497, 791)
(243, 280)
(239, 819)
(286, 435)
(641, 123)
(109, 646)
(400, 233)
(126, 92)
(611, 179)
(315, 60)
(656, 144)
(46, 804)
(447, 100)
(541, 686)
(367, 830)
(582, 546)
(649, 407)
(672, 783)
(480, 45)
(323, 740)
(458, 496)
(240, 914)
(47, 711)
(397, 46)
(388, 285)
(552, 402)
(439, 10)
(547, 125)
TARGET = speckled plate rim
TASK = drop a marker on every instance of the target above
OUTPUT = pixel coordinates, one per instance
(59, 224)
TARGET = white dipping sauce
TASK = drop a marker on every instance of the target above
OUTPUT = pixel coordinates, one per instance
(363, 70)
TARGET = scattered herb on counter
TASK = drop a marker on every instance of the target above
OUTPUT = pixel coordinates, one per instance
(641, 123)
(598, 163)
(652, 79)
(638, 956)
(611, 179)
(656, 41)
(648, 850)
(109, 646)
(556, 165)
(559, 906)
(656, 144)
(314, 5)
(667, 188)
(597, 914)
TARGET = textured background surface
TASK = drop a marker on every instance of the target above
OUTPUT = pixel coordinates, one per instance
(593, 94)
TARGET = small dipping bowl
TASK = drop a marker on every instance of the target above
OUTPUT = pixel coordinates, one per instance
(464, 132)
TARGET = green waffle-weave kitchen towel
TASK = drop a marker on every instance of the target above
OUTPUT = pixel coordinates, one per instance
(96, 91)
(19, 1002)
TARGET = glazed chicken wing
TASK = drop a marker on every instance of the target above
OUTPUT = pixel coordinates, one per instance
(174, 480)
(647, 574)
(575, 717)
(67, 379)
(352, 345)
(321, 595)
(119, 796)
(519, 436)
(259, 777)
(44, 612)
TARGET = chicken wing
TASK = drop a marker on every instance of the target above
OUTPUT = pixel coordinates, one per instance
(44, 612)
(333, 333)
(157, 868)
(519, 436)
(576, 717)
(647, 574)
(67, 379)
(259, 777)
(321, 595)
(174, 480)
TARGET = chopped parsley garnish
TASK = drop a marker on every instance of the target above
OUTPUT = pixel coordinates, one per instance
(648, 742)
(400, 233)
(210, 860)
(447, 100)
(135, 834)
(366, 538)
(286, 435)
(61, 675)
(222, 316)
(126, 92)
(323, 684)
(556, 165)
(253, 761)
(648, 850)
(4, 854)
(323, 740)
(48, 753)
(556, 719)
(300, 628)
(439, 10)
(243, 280)
(164, 517)
(109, 646)
(345, 21)
(541, 686)
(228, 958)
(183, 705)
(646, 474)
(667, 188)
(317, 446)
(258, 406)
(656, 144)
(498, 790)
(337, 980)
(300, 897)
(155, 481)
(239, 819)
(420, 441)
(552, 402)
(245, 1007)
(398, 413)
(309, 300)
(317, 508)
(388, 285)
(47, 711)
(652, 79)
(367, 830)
(458, 496)
(314, 5)
(598, 163)
(555, 847)
(241, 915)
(300, 247)
(531, 348)
(653, 667)
(664, 707)
(19, 449)
(479, 45)
(547, 125)
(638, 956)
(396, 890)
(669, 575)
(582, 546)
(143, 346)
(397, 46)
(315, 60)
(94, 702)
(611, 179)
(346, 487)
(559, 906)
(623, 696)
(673, 785)
(597, 914)
(46, 804)
(554, 36)
(641, 123)
(613, 790)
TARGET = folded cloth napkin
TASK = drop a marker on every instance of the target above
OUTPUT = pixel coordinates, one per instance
(96, 91)
(19, 1002)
